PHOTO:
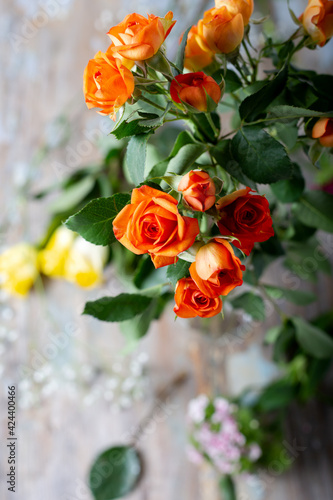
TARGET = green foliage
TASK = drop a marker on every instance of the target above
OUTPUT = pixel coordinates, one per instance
(252, 304)
(178, 271)
(94, 221)
(290, 190)
(260, 156)
(120, 308)
(258, 102)
(136, 157)
(223, 155)
(315, 209)
(227, 488)
(313, 340)
(298, 297)
(115, 473)
(179, 63)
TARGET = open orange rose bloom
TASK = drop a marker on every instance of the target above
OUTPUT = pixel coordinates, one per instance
(138, 38)
(107, 84)
(152, 224)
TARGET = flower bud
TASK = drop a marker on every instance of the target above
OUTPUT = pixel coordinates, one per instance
(323, 130)
(223, 29)
(198, 190)
(192, 89)
(317, 20)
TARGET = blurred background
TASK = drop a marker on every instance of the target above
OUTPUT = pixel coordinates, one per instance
(79, 390)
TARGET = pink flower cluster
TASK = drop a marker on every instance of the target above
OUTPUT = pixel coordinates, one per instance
(215, 435)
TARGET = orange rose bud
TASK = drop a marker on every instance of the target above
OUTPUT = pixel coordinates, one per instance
(107, 84)
(216, 270)
(198, 190)
(191, 302)
(244, 7)
(222, 29)
(197, 53)
(323, 130)
(152, 224)
(192, 89)
(317, 20)
(138, 38)
(246, 217)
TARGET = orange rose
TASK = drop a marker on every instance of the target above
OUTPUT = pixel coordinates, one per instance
(197, 53)
(107, 84)
(323, 130)
(198, 190)
(222, 29)
(246, 217)
(244, 7)
(216, 270)
(138, 38)
(317, 20)
(191, 302)
(192, 89)
(152, 224)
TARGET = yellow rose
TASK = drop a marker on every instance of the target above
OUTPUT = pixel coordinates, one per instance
(18, 269)
(53, 257)
(85, 263)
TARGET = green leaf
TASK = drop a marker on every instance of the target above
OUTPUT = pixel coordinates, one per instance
(232, 81)
(94, 221)
(295, 296)
(227, 488)
(136, 157)
(120, 308)
(127, 129)
(287, 133)
(178, 271)
(314, 341)
(72, 196)
(315, 209)
(290, 190)
(223, 156)
(306, 260)
(136, 328)
(261, 158)
(179, 63)
(115, 473)
(272, 334)
(252, 304)
(277, 395)
(290, 112)
(185, 158)
(256, 103)
(183, 139)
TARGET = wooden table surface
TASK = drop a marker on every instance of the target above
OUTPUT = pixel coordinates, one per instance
(43, 57)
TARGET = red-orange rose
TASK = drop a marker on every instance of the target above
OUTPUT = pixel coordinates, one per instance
(191, 302)
(138, 38)
(317, 20)
(152, 224)
(197, 53)
(107, 84)
(198, 190)
(246, 217)
(222, 29)
(217, 270)
(244, 7)
(323, 130)
(192, 89)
